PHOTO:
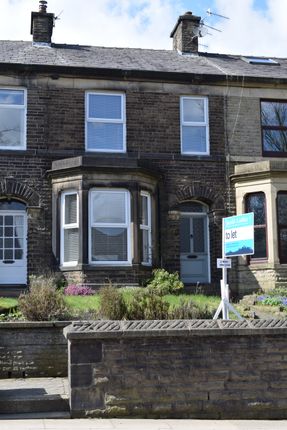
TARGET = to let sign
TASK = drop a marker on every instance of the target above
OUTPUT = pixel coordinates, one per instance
(238, 235)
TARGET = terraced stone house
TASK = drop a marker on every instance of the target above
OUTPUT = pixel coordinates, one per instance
(115, 161)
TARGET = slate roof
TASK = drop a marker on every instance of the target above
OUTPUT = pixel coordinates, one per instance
(142, 60)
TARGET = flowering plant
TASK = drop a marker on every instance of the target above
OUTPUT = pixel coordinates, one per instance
(78, 290)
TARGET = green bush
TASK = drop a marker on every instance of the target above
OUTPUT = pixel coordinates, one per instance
(164, 282)
(147, 304)
(43, 302)
(190, 310)
(112, 304)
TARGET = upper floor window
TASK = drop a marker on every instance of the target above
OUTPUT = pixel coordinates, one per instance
(110, 227)
(70, 228)
(282, 225)
(105, 122)
(194, 125)
(274, 127)
(256, 203)
(12, 119)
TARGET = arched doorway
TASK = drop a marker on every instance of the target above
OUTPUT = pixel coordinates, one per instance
(13, 242)
(194, 243)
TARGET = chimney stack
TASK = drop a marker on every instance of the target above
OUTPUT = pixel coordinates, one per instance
(185, 34)
(42, 24)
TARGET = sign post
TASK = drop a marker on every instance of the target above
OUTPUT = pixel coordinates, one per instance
(237, 240)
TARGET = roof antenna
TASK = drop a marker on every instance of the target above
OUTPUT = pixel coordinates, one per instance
(202, 28)
(216, 14)
(58, 16)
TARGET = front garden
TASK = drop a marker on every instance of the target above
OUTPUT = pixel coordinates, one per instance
(162, 298)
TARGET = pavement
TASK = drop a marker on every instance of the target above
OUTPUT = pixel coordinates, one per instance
(23, 388)
(136, 424)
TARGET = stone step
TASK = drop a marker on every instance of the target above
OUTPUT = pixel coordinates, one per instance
(34, 396)
(12, 290)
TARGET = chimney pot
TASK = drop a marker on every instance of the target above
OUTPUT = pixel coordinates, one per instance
(185, 33)
(43, 6)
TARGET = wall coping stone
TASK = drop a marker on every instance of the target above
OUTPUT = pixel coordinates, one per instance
(33, 324)
(169, 328)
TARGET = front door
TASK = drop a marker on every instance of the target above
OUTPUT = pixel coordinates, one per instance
(13, 259)
(194, 248)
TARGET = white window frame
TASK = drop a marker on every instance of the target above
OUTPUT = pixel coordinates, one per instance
(147, 227)
(23, 107)
(67, 226)
(122, 121)
(204, 124)
(126, 225)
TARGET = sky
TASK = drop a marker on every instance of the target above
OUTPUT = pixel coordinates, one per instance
(254, 27)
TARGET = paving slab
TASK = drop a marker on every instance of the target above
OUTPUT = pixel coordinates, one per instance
(34, 386)
(137, 424)
(48, 396)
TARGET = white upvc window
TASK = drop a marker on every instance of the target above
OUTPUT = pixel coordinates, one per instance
(105, 122)
(109, 227)
(13, 107)
(69, 228)
(145, 227)
(194, 125)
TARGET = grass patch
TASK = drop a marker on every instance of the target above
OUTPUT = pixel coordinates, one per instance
(7, 303)
(83, 303)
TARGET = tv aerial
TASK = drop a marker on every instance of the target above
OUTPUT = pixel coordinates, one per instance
(202, 29)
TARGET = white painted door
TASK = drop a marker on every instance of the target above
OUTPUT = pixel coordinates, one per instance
(194, 248)
(13, 247)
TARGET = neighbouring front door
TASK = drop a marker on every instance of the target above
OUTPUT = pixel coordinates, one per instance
(13, 232)
(194, 245)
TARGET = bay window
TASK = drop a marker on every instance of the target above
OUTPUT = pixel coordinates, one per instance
(69, 229)
(145, 227)
(256, 203)
(282, 225)
(110, 230)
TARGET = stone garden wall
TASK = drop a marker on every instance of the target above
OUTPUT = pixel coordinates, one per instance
(33, 349)
(178, 369)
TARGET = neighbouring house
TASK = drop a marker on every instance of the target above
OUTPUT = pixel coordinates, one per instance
(115, 161)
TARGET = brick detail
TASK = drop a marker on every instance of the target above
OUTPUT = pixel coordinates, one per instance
(10, 187)
(200, 192)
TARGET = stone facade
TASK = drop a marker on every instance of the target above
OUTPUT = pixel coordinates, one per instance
(178, 369)
(56, 133)
(153, 86)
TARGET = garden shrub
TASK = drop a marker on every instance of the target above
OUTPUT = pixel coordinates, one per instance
(112, 303)
(78, 290)
(43, 301)
(164, 282)
(190, 310)
(147, 304)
